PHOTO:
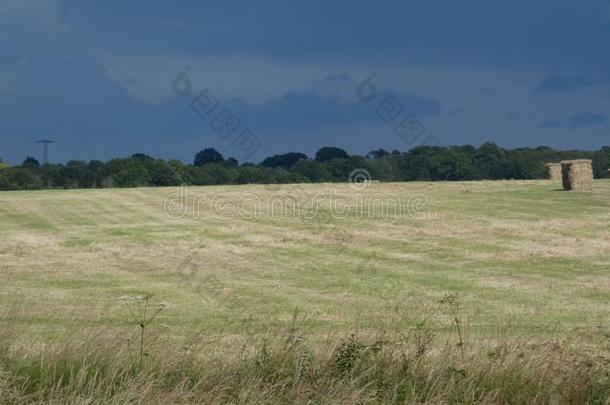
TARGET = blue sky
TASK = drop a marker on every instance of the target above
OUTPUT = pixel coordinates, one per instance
(96, 76)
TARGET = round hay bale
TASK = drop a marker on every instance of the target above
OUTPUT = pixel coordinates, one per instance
(577, 175)
(554, 171)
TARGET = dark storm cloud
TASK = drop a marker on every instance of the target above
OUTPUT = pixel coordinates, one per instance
(66, 71)
(307, 109)
(550, 124)
(586, 118)
(336, 78)
(566, 83)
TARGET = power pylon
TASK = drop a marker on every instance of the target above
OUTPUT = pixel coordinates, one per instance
(45, 149)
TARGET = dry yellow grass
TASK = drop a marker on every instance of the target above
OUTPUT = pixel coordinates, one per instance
(525, 259)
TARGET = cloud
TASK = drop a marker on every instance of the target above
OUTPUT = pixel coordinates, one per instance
(104, 79)
(147, 77)
(28, 30)
(579, 120)
(307, 109)
(561, 83)
(30, 25)
(550, 124)
(586, 118)
(336, 78)
(488, 90)
(454, 111)
(28, 15)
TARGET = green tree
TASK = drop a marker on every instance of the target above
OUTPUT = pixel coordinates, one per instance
(312, 170)
(212, 174)
(377, 154)
(490, 162)
(208, 155)
(340, 169)
(254, 174)
(601, 162)
(30, 163)
(164, 175)
(232, 162)
(14, 178)
(328, 153)
(126, 173)
(286, 160)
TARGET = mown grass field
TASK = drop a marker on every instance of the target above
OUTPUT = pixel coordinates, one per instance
(526, 260)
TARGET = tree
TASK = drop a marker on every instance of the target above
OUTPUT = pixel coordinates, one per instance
(97, 167)
(126, 173)
(253, 175)
(19, 179)
(164, 175)
(142, 156)
(385, 168)
(2, 164)
(490, 162)
(328, 153)
(312, 170)
(340, 169)
(30, 162)
(208, 155)
(74, 175)
(286, 160)
(232, 162)
(601, 162)
(378, 154)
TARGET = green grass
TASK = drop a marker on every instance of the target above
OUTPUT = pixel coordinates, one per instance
(528, 262)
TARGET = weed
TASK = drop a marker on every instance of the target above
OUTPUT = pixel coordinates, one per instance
(347, 355)
(452, 302)
(142, 313)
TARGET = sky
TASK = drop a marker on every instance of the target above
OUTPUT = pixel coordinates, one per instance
(111, 78)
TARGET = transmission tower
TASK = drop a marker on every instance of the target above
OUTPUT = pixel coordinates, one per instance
(45, 149)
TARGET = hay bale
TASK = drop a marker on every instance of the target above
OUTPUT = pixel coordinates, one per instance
(577, 175)
(554, 170)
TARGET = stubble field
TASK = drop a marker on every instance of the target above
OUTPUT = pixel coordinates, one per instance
(522, 259)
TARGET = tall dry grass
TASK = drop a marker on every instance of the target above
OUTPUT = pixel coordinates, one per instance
(97, 366)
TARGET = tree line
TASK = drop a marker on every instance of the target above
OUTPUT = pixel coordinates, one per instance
(330, 164)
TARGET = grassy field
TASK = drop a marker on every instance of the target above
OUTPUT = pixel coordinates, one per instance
(526, 261)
